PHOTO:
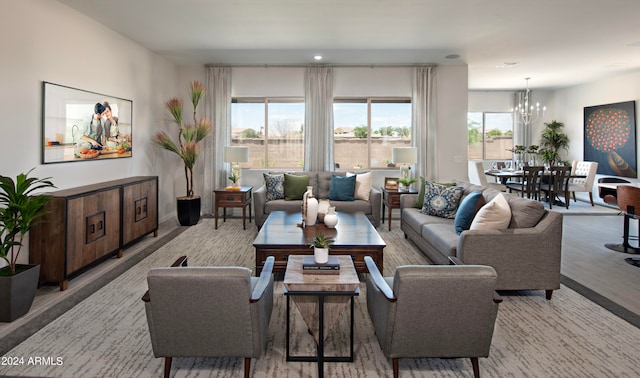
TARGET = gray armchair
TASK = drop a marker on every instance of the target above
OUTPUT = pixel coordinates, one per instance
(208, 312)
(437, 311)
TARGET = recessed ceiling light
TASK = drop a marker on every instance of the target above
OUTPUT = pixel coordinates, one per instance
(507, 65)
(452, 56)
(317, 57)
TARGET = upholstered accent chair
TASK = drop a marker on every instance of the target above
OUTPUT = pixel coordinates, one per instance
(433, 311)
(477, 176)
(579, 184)
(209, 312)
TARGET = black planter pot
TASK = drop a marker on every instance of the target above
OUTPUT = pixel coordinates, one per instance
(17, 292)
(188, 210)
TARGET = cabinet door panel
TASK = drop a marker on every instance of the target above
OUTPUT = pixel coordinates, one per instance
(93, 228)
(139, 210)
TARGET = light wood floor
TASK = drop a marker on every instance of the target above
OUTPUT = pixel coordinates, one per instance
(586, 260)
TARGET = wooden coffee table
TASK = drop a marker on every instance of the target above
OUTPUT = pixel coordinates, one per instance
(280, 237)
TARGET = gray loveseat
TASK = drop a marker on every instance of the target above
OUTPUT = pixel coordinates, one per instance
(321, 182)
(526, 256)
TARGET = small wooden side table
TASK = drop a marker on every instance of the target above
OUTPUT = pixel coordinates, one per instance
(233, 198)
(391, 200)
(320, 299)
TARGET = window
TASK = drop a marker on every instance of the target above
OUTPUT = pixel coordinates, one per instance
(490, 136)
(366, 130)
(272, 128)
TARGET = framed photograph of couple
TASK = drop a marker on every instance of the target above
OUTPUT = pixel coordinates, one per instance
(79, 125)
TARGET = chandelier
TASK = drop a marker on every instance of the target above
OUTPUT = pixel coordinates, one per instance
(527, 112)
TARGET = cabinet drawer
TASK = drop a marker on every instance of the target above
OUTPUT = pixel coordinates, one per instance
(394, 201)
(231, 199)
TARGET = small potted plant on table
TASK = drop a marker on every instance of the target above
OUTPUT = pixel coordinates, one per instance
(321, 245)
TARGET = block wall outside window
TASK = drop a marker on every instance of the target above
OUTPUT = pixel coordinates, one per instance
(366, 130)
(490, 136)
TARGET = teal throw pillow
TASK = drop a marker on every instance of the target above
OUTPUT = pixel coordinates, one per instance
(467, 209)
(342, 188)
(441, 201)
(420, 198)
(295, 186)
(274, 185)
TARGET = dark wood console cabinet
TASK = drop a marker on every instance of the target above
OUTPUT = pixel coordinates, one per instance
(89, 223)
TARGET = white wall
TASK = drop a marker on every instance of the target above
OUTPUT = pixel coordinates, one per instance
(46, 41)
(571, 102)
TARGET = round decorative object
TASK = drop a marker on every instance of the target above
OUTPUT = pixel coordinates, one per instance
(321, 255)
(331, 218)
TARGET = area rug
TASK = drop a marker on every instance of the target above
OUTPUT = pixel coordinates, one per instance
(580, 207)
(106, 335)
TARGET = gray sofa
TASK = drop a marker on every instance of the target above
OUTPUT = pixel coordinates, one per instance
(321, 182)
(526, 255)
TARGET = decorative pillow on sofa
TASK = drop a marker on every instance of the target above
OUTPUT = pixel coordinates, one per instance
(420, 198)
(342, 188)
(363, 185)
(495, 215)
(441, 201)
(295, 186)
(274, 184)
(467, 210)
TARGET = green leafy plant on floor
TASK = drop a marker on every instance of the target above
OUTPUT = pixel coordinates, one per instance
(19, 212)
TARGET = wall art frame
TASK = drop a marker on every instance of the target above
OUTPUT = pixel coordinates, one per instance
(610, 138)
(80, 125)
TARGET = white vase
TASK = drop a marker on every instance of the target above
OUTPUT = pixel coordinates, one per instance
(321, 255)
(309, 207)
(331, 217)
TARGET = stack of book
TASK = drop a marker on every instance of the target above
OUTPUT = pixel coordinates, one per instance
(309, 265)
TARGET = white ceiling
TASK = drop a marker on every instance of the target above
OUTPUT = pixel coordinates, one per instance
(558, 43)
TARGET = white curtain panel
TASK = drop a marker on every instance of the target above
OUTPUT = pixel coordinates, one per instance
(318, 129)
(423, 122)
(521, 134)
(218, 110)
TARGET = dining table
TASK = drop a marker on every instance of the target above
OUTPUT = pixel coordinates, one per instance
(505, 175)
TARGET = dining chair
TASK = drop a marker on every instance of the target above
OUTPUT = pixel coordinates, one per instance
(580, 184)
(557, 183)
(529, 184)
(477, 176)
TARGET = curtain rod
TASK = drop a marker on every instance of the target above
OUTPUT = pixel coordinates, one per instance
(323, 65)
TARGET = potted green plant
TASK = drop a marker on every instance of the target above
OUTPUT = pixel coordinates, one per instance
(552, 141)
(234, 177)
(186, 147)
(321, 245)
(406, 182)
(19, 212)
